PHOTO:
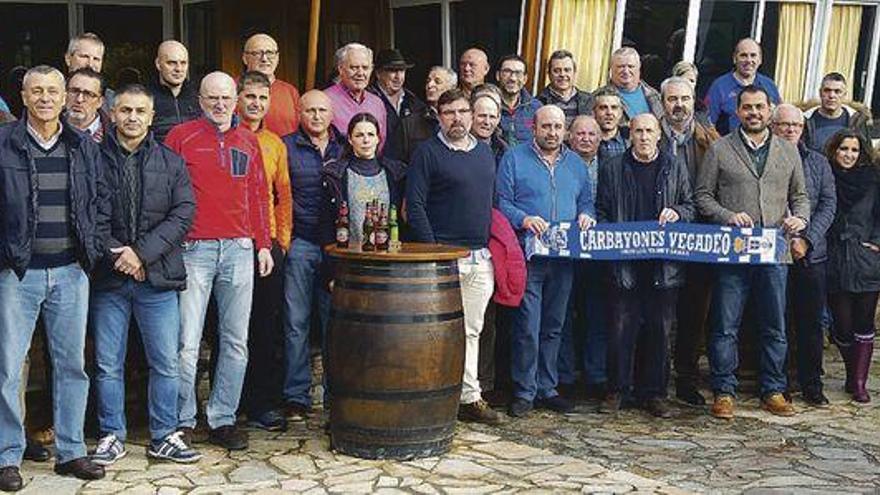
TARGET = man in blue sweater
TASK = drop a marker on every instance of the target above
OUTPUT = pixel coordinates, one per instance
(540, 182)
(721, 97)
(449, 201)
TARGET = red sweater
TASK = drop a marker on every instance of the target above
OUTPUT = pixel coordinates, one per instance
(228, 180)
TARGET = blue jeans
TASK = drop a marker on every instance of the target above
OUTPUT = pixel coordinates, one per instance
(733, 286)
(584, 334)
(302, 291)
(158, 318)
(225, 266)
(537, 328)
(63, 295)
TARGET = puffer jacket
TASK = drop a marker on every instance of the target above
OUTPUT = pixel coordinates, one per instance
(508, 262)
(616, 203)
(167, 206)
(823, 202)
(18, 197)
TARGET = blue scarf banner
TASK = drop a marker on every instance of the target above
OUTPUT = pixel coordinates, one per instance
(693, 242)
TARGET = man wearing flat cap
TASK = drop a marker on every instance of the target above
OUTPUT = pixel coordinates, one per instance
(399, 102)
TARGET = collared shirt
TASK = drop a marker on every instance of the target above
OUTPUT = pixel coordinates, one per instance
(471, 143)
(593, 170)
(755, 146)
(95, 129)
(345, 106)
(388, 97)
(543, 158)
(612, 147)
(46, 144)
(757, 151)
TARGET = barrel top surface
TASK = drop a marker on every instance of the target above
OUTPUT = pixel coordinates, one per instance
(409, 251)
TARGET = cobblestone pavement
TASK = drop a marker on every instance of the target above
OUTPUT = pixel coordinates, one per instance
(832, 450)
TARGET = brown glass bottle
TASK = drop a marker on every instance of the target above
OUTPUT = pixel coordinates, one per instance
(382, 230)
(343, 232)
(368, 244)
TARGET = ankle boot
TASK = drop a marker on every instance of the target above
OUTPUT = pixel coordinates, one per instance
(862, 351)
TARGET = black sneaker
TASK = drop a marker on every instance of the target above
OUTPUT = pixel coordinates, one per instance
(556, 403)
(173, 448)
(519, 408)
(229, 437)
(815, 398)
(10, 479)
(35, 452)
(657, 408)
(109, 450)
(271, 420)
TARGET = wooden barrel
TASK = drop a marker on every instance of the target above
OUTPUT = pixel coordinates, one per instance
(395, 353)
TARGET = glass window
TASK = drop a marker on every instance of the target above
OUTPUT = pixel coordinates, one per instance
(201, 39)
(860, 75)
(417, 36)
(722, 24)
(130, 53)
(656, 28)
(490, 24)
(37, 36)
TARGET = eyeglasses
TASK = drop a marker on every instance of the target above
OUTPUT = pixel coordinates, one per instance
(452, 112)
(86, 94)
(794, 125)
(511, 72)
(262, 53)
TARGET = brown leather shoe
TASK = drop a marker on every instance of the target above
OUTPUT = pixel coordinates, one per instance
(776, 404)
(478, 412)
(82, 468)
(722, 408)
(10, 479)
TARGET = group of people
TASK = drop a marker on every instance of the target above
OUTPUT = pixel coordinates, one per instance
(150, 201)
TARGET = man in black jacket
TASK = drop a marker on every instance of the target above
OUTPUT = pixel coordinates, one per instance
(642, 184)
(399, 102)
(175, 98)
(141, 270)
(52, 212)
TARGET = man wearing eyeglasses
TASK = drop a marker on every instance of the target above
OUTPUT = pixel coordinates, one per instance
(518, 107)
(231, 221)
(261, 54)
(85, 96)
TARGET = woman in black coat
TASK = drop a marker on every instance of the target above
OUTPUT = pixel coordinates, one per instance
(854, 256)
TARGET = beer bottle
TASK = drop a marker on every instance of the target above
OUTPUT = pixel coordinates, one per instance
(343, 233)
(382, 230)
(393, 231)
(368, 229)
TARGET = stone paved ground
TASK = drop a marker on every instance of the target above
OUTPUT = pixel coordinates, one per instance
(833, 450)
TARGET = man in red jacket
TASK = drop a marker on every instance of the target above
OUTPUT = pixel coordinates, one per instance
(231, 219)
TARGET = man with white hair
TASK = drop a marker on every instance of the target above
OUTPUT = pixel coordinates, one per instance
(261, 54)
(87, 50)
(809, 250)
(349, 96)
(231, 221)
(636, 96)
(687, 139)
(422, 125)
(49, 237)
(539, 183)
(175, 97)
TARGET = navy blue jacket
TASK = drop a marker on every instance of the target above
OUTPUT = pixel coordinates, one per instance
(823, 202)
(165, 215)
(18, 197)
(616, 202)
(305, 162)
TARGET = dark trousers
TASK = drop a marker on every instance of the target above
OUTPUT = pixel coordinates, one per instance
(486, 359)
(693, 314)
(853, 314)
(263, 380)
(808, 295)
(643, 317)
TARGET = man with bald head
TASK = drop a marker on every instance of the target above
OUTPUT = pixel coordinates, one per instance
(175, 97)
(231, 222)
(644, 183)
(721, 97)
(473, 66)
(636, 96)
(810, 254)
(261, 54)
(349, 96)
(315, 143)
(540, 182)
(50, 237)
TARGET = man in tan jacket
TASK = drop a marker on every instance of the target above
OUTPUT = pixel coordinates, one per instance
(751, 178)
